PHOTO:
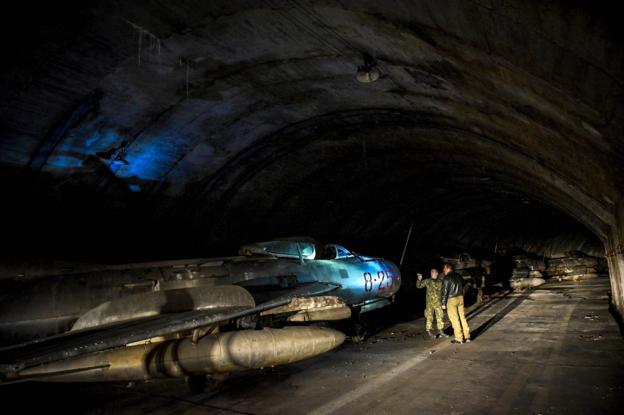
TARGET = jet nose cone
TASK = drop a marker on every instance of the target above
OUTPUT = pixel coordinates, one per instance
(397, 278)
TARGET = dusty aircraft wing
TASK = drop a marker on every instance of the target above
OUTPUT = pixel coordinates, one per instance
(76, 343)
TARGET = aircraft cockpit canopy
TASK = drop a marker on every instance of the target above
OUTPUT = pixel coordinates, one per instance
(336, 252)
(281, 249)
(296, 249)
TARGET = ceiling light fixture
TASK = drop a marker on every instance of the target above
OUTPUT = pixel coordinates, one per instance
(368, 72)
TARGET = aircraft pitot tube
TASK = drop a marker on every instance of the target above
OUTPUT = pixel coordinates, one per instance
(218, 353)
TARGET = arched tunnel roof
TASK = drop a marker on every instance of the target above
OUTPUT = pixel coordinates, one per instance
(240, 119)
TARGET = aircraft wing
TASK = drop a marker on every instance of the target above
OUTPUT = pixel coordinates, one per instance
(115, 335)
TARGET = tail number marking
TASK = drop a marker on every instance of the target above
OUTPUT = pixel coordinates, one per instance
(369, 281)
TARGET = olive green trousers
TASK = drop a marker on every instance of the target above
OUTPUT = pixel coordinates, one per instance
(434, 310)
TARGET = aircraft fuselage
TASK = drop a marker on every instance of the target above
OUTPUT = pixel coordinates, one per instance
(44, 306)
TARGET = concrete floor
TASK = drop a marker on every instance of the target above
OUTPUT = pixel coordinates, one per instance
(554, 350)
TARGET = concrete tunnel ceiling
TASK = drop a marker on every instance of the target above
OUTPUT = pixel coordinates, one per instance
(492, 122)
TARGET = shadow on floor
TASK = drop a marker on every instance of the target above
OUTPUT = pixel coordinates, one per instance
(499, 316)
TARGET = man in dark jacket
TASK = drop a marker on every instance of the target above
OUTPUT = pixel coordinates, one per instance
(453, 303)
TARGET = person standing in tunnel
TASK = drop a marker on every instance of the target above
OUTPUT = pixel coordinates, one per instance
(434, 302)
(453, 303)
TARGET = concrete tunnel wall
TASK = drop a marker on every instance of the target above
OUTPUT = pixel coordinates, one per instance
(614, 247)
(244, 120)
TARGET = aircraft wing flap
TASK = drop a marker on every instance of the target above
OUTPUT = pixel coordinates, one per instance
(76, 343)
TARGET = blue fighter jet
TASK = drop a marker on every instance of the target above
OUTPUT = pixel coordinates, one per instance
(199, 317)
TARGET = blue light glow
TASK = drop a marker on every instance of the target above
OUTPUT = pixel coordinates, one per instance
(74, 150)
(63, 162)
(146, 161)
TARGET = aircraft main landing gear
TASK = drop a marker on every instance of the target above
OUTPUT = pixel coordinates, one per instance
(359, 329)
(197, 384)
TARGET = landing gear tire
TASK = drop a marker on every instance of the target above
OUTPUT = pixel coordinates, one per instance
(360, 331)
(196, 384)
(202, 383)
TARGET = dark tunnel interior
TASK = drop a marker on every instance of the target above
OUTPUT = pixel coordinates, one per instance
(361, 179)
(348, 190)
(147, 131)
(485, 133)
(137, 132)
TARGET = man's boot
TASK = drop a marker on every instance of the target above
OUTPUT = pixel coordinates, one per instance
(431, 335)
(442, 334)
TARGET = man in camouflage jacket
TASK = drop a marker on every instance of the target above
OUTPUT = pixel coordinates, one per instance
(434, 302)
